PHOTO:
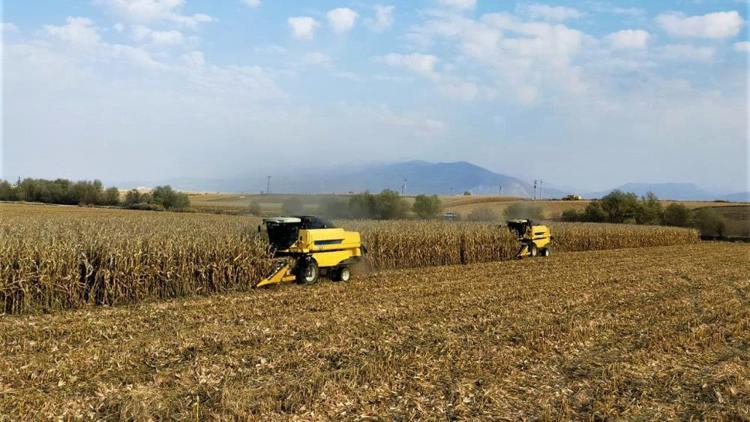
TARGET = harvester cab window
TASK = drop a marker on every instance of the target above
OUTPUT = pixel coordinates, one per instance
(520, 227)
(282, 234)
(309, 223)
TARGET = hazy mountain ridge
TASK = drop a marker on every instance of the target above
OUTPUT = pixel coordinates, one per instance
(417, 177)
(679, 191)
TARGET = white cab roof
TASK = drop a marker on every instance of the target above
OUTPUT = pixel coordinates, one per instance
(283, 220)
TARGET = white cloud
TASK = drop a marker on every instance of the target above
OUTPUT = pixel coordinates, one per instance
(742, 46)
(629, 39)
(194, 59)
(342, 19)
(303, 27)
(154, 10)
(423, 64)
(167, 37)
(462, 90)
(78, 31)
(383, 18)
(8, 27)
(252, 3)
(550, 13)
(317, 59)
(712, 25)
(687, 52)
(459, 4)
(163, 38)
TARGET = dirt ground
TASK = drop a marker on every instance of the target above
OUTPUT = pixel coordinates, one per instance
(651, 333)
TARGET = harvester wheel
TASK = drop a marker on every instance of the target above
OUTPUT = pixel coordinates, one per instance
(343, 274)
(309, 273)
(545, 252)
(533, 251)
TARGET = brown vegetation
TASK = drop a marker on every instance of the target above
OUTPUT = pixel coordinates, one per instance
(634, 334)
(66, 257)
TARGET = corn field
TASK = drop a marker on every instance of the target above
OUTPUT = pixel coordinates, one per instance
(67, 257)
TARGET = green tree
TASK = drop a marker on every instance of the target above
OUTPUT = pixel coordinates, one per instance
(594, 213)
(676, 215)
(620, 206)
(112, 196)
(709, 222)
(170, 199)
(389, 205)
(7, 193)
(427, 206)
(650, 210)
(363, 205)
(334, 207)
(571, 215)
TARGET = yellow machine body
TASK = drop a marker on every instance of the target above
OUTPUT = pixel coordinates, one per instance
(331, 249)
(535, 239)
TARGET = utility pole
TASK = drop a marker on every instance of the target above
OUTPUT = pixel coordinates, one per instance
(268, 185)
(500, 190)
(535, 189)
(403, 186)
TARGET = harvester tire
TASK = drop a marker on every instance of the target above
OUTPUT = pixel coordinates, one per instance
(533, 251)
(545, 252)
(308, 273)
(343, 274)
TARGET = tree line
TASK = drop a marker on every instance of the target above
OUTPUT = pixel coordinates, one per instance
(386, 205)
(626, 207)
(67, 192)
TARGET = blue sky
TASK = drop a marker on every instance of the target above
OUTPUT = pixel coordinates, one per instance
(589, 94)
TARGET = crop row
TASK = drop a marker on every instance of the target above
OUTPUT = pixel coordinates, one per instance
(62, 258)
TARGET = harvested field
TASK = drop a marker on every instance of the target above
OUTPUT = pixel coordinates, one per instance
(645, 334)
(66, 257)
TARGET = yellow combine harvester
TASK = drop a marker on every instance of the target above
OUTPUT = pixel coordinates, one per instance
(535, 239)
(305, 246)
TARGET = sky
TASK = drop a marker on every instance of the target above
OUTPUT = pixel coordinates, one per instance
(587, 94)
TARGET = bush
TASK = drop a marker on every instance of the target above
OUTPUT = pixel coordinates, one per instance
(483, 214)
(334, 208)
(386, 205)
(362, 205)
(650, 210)
(134, 197)
(169, 198)
(709, 222)
(293, 206)
(390, 205)
(594, 213)
(253, 208)
(676, 215)
(7, 193)
(521, 210)
(620, 206)
(112, 196)
(427, 207)
(571, 215)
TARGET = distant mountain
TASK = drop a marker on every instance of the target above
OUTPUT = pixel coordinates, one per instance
(416, 177)
(681, 191)
(737, 197)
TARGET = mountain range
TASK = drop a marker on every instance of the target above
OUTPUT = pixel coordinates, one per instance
(415, 177)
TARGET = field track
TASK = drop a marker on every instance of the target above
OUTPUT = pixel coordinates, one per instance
(651, 333)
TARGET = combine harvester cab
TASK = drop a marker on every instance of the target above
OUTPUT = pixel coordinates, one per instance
(305, 247)
(535, 240)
